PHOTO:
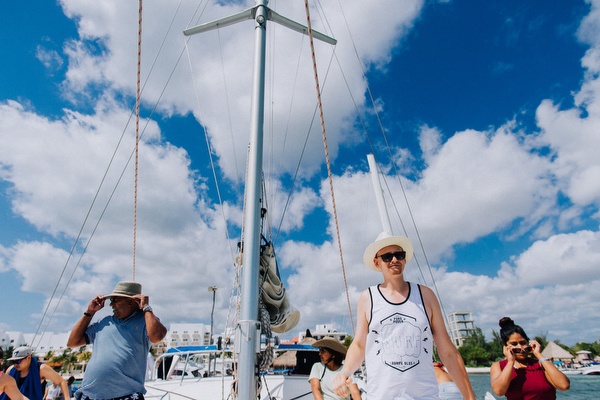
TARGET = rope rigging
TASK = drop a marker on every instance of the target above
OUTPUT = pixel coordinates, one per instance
(139, 135)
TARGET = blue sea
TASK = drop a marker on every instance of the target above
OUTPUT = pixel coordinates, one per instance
(582, 387)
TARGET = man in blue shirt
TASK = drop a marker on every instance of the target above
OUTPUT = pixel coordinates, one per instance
(117, 367)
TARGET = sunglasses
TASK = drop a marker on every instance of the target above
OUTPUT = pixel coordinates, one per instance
(518, 350)
(17, 362)
(387, 257)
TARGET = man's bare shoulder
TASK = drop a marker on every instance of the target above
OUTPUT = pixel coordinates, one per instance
(427, 293)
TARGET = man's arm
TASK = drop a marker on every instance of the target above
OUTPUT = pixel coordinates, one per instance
(356, 352)
(48, 373)
(77, 336)
(446, 349)
(156, 330)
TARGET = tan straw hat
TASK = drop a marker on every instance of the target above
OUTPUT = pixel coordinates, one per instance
(125, 289)
(331, 343)
(383, 240)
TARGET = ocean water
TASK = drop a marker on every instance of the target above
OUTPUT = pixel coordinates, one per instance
(583, 387)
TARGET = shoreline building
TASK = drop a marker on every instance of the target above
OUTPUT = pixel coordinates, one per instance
(324, 330)
(460, 326)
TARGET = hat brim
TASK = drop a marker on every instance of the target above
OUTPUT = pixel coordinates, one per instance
(109, 296)
(332, 344)
(17, 358)
(377, 245)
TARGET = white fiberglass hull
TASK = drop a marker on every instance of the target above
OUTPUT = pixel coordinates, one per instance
(280, 387)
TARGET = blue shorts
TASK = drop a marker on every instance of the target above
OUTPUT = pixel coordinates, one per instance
(449, 391)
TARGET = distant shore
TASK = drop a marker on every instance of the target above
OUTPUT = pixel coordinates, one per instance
(478, 370)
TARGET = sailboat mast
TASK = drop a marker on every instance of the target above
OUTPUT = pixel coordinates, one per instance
(248, 328)
(383, 214)
(249, 325)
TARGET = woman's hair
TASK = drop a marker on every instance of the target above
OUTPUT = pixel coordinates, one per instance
(339, 357)
(507, 328)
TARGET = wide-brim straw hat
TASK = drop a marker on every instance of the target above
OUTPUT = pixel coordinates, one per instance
(125, 289)
(383, 240)
(331, 343)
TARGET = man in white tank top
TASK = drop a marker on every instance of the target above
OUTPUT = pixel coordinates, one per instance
(396, 325)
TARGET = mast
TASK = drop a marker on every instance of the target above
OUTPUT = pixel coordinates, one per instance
(383, 214)
(248, 329)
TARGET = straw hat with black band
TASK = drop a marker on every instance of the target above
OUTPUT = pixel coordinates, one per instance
(386, 239)
(331, 343)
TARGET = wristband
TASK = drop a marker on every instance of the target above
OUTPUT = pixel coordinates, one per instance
(87, 314)
(147, 308)
(347, 373)
(542, 360)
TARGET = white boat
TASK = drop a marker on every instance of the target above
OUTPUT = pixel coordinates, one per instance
(570, 371)
(590, 370)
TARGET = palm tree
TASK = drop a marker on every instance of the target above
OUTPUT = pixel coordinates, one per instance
(70, 360)
(48, 356)
(84, 358)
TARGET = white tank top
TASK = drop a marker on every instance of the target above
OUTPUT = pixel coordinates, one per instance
(399, 349)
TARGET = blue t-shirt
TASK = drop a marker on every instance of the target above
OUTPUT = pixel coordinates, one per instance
(117, 366)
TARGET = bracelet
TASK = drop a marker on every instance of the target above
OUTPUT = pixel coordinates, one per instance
(542, 360)
(347, 373)
(87, 314)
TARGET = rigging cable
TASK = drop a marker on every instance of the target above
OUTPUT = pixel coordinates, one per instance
(394, 165)
(337, 227)
(137, 133)
(101, 184)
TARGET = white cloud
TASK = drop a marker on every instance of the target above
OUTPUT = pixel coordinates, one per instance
(474, 184)
(50, 58)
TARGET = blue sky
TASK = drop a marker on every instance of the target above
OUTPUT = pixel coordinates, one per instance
(489, 108)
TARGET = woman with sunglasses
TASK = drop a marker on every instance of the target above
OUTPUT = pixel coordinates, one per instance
(525, 374)
(331, 354)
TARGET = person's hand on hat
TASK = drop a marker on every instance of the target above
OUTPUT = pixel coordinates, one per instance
(96, 304)
(141, 300)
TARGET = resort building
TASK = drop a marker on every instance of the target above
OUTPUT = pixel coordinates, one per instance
(324, 330)
(460, 326)
(183, 335)
(49, 342)
(14, 339)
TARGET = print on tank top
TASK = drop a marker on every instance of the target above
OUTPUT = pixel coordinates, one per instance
(400, 342)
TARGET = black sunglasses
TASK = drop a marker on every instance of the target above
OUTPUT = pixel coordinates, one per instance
(387, 257)
(517, 350)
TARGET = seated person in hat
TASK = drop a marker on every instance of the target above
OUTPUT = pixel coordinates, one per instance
(397, 323)
(331, 353)
(117, 367)
(28, 375)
